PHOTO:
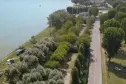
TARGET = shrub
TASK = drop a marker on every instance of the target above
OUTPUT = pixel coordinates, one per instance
(38, 82)
(61, 51)
(23, 68)
(41, 70)
(85, 40)
(31, 61)
(51, 81)
(74, 30)
(12, 74)
(31, 77)
(60, 81)
(55, 73)
(42, 50)
(70, 37)
(33, 40)
(52, 64)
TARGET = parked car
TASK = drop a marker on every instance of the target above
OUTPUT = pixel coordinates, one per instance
(19, 51)
(10, 61)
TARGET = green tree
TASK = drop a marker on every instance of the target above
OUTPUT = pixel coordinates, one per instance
(81, 49)
(58, 18)
(123, 26)
(93, 11)
(75, 76)
(112, 13)
(110, 23)
(112, 40)
(89, 22)
(122, 9)
(103, 18)
(116, 3)
(120, 15)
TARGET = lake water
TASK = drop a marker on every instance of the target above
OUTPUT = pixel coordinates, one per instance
(21, 19)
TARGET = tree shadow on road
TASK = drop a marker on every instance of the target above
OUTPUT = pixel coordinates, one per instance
(119, 73)
(91, 57)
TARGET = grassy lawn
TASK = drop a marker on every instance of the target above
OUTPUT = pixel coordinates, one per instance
(117, 77)
(104, 66)
(3, 63)
(109, 75)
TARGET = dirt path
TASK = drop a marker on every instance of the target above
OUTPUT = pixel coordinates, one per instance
(95, 73)
(71, 63)
(67, 78)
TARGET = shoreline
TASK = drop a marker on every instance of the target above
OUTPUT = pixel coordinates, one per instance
(23, 44)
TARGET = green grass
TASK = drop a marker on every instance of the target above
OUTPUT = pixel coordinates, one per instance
(103, 65)
(114, 76)
(3, 63)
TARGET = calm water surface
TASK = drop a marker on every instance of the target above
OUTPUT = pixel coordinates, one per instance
(20, 19)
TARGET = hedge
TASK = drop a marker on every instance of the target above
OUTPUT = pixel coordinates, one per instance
(52, 64)
(70, 37)
(61, 51)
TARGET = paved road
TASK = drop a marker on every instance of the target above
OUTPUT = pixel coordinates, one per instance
(95, 73)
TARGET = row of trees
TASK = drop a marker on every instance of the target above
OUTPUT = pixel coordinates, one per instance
(77, 9)
(66, 36)
(19, 74)
(114, 29)
(29, 70)
(80, 71)
(42, 50)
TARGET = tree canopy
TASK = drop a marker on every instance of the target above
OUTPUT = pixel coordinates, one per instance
(58, 18)
(112, 40)
(103, 18)
(93, 11)
(120, 15)
(123, 26)
(110, 23)
(111, 13)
